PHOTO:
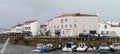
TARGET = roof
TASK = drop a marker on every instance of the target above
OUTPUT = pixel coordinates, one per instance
(111, 24)
(75, 14)
(1, 29)
(30, 21)
(50, 20)
(43, 26)
(16, 25)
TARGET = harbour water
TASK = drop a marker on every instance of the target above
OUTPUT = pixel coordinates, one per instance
(18, 49)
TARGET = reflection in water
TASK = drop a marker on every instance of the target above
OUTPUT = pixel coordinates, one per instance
(17, 49)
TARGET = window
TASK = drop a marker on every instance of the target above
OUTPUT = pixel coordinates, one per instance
(66, 26)
(99, 25)
(74, 25)
(27, 28)
(61, 26)
(61, 20)
(63, 32)
(105, 26)
(58, 26)
(66, 20)
(54, 26)
(102, 32)
(107, 32)
(84, 31)
(70, 25)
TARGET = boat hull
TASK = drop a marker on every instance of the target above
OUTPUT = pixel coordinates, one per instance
(104, 50)
(115, 50)
(91, 49)
(81, 49)
(37, 51)
(67, 49)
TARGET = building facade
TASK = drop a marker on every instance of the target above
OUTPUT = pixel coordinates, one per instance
(43, 29)
(32, 27)
(109, 28)
(73, 24)
(1, 30)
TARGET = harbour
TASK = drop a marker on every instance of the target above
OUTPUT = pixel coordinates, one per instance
(56, 41)
(57, 44)
(18, 49)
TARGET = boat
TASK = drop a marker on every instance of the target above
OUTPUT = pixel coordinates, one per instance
(81, 47)
(104, 48)
(49, 47)
(115, 47)
(42, 48)
(69, 46)
(91, 48)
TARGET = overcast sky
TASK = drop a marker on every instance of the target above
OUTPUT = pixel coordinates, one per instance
(18, 11)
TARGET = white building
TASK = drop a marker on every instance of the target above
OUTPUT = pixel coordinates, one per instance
(32, 26)
(43, 29)
(1, 30)
(109, 28)
(73, 24)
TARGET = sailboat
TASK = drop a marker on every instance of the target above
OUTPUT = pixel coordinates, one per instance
(4, 47)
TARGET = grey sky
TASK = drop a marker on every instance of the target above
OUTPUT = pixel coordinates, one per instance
(14, 11)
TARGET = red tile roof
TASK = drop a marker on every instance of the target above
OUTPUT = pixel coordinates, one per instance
(75, 14)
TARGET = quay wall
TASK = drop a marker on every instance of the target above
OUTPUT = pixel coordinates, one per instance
(56, 41)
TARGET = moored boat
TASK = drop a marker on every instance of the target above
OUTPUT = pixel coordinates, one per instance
(42, 48)
(115, 47)
(81, 47)
(91, 48)
(104, 48)
(69, 46)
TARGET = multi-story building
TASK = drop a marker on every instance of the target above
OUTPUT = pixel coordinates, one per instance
(73, 24)
(32, 27)
(109, 28)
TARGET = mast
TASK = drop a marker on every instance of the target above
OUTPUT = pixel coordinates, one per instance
(3, 49)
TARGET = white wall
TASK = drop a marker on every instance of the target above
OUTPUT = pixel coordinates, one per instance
(35, 27)
(109, 28)
(82, 23)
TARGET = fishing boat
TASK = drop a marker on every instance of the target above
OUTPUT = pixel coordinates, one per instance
(91, 48)
(81, 47)
(115, 47)
(42, 48)
(104, 48)
(69, 46)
